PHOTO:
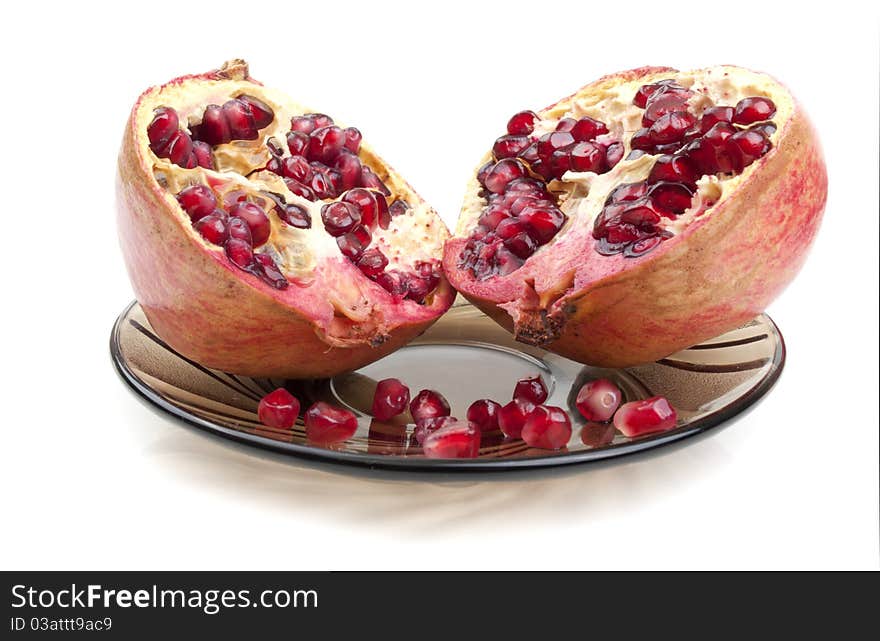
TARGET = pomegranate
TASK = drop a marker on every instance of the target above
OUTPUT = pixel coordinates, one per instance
(649, 211)
(328, 424)
(458, 439)
(646, 416)
(258, 235)
(278, 409)
(598, 400)
(547, 427)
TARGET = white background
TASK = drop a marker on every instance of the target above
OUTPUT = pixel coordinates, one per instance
(92, 478)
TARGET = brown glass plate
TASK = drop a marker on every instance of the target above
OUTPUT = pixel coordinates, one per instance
(465, 356)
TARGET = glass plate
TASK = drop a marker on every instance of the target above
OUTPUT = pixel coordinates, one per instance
(465, 356)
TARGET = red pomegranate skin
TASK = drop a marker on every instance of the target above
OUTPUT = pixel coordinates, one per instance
(718, 274)
(222, 318)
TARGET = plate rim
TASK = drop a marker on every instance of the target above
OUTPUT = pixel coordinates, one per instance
(714, 421)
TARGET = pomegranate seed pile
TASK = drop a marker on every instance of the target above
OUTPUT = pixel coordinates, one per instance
(440, 435)
(321, 162)
(521, 212)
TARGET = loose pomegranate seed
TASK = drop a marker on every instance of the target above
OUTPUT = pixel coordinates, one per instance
(427, 426)
(260, 111)
(328, 424)
(650, 415)
(547, 427)
(512, 417)
(278, 409)
(340, 217)
(502, 173)
(754, 109)
(295, 216)
(326, 143)
(587, 128)
(322, 185)
(522, 123)
(270, 273)
(371, 181)
(509, 146)
(213, 229)
(673, 198)
(198, 201)
(241, 122)
(671, 127)
(165, 123)
(587, 156)
(428, 404)
(713, 115)
(256, 219)
(239, 229)
(597, 434)
(598, 400)
(390, 398)
(456, 440)
(531, 389)
(484, 414)
(675, 168)
(372, 262)
(353, 243)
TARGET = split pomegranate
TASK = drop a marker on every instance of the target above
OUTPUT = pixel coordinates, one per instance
(598, 400)
(547, 427)
(455, 440)
(327, 424)
(646, 416)
(278, 409)
(267, 240)
(651, 210)
(390, 399)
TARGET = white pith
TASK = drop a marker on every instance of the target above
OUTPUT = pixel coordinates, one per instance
(412, 237)
(582, 195)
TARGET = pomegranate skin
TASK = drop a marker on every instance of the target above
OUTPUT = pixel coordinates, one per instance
(718, 274)
(226, 319)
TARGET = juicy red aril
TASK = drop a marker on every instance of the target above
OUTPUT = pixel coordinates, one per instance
(522, 123)
(531, 389)
(484, 414)
(713, 115)
(321, 120)
(326, 143)
(303, 124)
(269, 272)
(299, 189)
(340, 217)
(512, 417)
(428, 404)
(256, 219)
(650, 415)
(242, 125)
(198, 201)
(366, 203)
(239, 230)
(353, 243)
(278, 409)
(502, 173)
(297, 143)
(296, 167)
(390, 399)
(587, 156)
(260, 111)
(322, 184)
(398, 208)
(628, 191)
(371, 181)
(372, 262)
(180, 150)
(213, 229)
(670, 197)
(754, 109)
(295, 216)
(542, 223)
(547, 427)
(383, 214)
(673, 168)
(587, 128)
(165, 123)
(353, 139)
(349, 167)
(745, 147)
(427, 426)
(203, 154)
(613, 154)
(766, 128)
(565, 124)
(483, 171)
(455, 440)
(642, 246)
(663, 103)
(548, 143)
(640, 214)
(328, 424)
(642, 140)
(671, 127)
(214, 128)
(240, 253)
(645, 92)
(598, 400)
(509, 146)
(597, 434)
(393, 282)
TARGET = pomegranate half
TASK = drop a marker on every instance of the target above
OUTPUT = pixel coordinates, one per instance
(649, 211)
(265, 240)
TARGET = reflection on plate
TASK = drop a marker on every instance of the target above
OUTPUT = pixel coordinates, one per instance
(465, 356)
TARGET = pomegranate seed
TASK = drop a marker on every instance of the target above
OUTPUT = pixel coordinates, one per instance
(340, 217)
(646, 416)
(671, 127)
(372, 262)
(398, 208)
(427, 426)
(383, 214)
(239, 229)
(642, 140)
(390, 398)
(203, 154)
(456, 440)
(548, 143)
(509, 146)
(713, 115)
(165, 124)
(303, 124)
(754, 109)
(745, 147)
(322, 185)
(256, 219)
(531, 389)
(365, 201)
(297, 168)
(674, 198)
(371, 181)
(628, 191)
(326, 143)
(565, 124)
(613, 154)
(328, 424)
(597, 434)
(559, 163)
(179, 148)
(278, 409)
(676, 168)
(587, 128)
(483, 171)
(197, 201)
(394, 283)
(512, 417)
(298, 143)
(214, 128)
(270, 273)
(542, 223)
(240, 253)
(349, 167)
(638, 213)
(766, 128)
(213, 229)
(295, 216)
(353, 243)
(259, 110)
(547, 427)
(484, 414)
(522, 123)
(241, 122)
(353, 139)
(299, 189)
(587, 156)
(598, 400)
(321, 120)
(644, 94)
(502, 173)
(428, 404)
(662, 104)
